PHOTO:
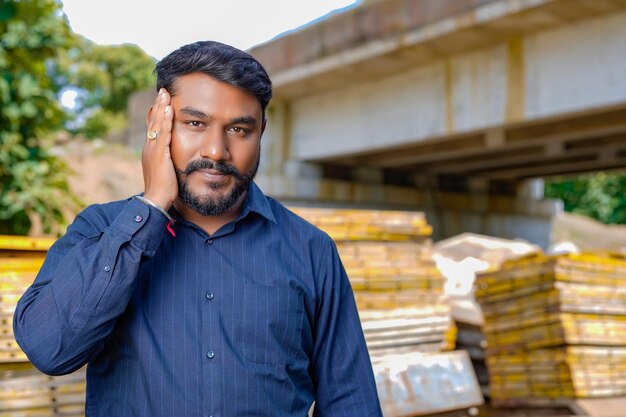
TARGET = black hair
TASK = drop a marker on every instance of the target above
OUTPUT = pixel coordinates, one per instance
(222, 62)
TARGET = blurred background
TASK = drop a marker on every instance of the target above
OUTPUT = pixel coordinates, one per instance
(433, 139)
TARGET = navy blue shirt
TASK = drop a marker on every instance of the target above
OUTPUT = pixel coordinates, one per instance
(257, 320)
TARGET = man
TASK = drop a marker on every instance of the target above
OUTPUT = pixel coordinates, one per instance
(203, 297)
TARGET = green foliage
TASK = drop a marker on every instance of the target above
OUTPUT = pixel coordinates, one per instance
(103, 122)
(39, 57)
(33, 180)
(598, 195)
(106, 75)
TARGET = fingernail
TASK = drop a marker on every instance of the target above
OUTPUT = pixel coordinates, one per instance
(167, 109)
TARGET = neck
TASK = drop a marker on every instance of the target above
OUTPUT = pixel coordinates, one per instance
(210, 224)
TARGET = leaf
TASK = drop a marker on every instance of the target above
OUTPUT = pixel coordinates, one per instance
(34, 182)
(7, 11)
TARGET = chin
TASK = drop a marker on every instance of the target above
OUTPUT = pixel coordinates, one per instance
(212, 195)
(203, 188)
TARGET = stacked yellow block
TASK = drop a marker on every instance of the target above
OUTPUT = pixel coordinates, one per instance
(398, 290)
(24, 391)
(555, 327)
(391, 274)
(388, 258)
(368, 225)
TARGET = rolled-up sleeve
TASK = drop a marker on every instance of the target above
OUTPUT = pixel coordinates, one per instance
(65, 317)
(342, 371)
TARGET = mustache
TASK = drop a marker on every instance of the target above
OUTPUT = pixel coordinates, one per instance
(209, 164)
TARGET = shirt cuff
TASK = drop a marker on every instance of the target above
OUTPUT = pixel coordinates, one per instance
(144, 225)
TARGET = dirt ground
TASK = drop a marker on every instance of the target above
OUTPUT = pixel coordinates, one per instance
(102, 171)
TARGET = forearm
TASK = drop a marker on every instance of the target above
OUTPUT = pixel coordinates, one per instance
(64, 319)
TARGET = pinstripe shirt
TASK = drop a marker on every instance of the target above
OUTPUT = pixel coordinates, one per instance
(257, 319)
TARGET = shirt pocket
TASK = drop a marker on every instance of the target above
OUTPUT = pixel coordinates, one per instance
(271, 324)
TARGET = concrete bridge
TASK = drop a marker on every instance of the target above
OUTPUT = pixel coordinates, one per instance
(453, 107)
(459, 101)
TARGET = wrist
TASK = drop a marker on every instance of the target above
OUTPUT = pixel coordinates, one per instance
(149, 202)
(163, 202)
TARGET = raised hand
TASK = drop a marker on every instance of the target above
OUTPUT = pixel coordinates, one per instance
(159, 175)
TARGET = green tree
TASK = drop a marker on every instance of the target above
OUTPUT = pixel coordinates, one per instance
(105, 76)
(33, 180)
(599, 195)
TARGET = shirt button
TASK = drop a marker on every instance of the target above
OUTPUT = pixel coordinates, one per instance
(210, 241)
(138, 218)
(107, 268)
(210, 354)
(210, 295)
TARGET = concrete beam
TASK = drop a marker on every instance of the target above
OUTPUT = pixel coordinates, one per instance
(542, 142)
(381, 38)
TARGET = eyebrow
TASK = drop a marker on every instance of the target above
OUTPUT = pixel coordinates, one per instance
(246, 120)
(190, 111)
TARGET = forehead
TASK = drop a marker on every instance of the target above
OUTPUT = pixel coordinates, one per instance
(205, 93)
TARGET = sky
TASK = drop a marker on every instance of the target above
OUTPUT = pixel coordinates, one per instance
(159, 27)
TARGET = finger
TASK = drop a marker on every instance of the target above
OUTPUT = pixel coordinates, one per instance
(166, 126)
(152, 113)
(152, 120)
(157, 112)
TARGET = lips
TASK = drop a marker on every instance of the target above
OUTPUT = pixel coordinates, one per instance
(213, 175)
(211, 171)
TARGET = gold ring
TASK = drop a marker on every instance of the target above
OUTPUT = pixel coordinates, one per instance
(153, 134)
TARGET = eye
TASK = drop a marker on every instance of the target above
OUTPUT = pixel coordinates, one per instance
(239, 131)
(194, 123)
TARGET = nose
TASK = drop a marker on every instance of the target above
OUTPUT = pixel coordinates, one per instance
(215, 145)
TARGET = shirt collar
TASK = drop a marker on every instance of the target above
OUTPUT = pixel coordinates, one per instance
(257, 202)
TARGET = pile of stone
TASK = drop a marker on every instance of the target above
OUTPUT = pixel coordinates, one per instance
(460, 258)
(555, 328)
(471, 339)
(369, 225)
(30, 393)
(24, 391)
(388, 258)
(406, 322)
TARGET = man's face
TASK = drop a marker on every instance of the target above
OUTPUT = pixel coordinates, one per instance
(215, 142)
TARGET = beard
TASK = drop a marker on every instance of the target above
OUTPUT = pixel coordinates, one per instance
(208, 205)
